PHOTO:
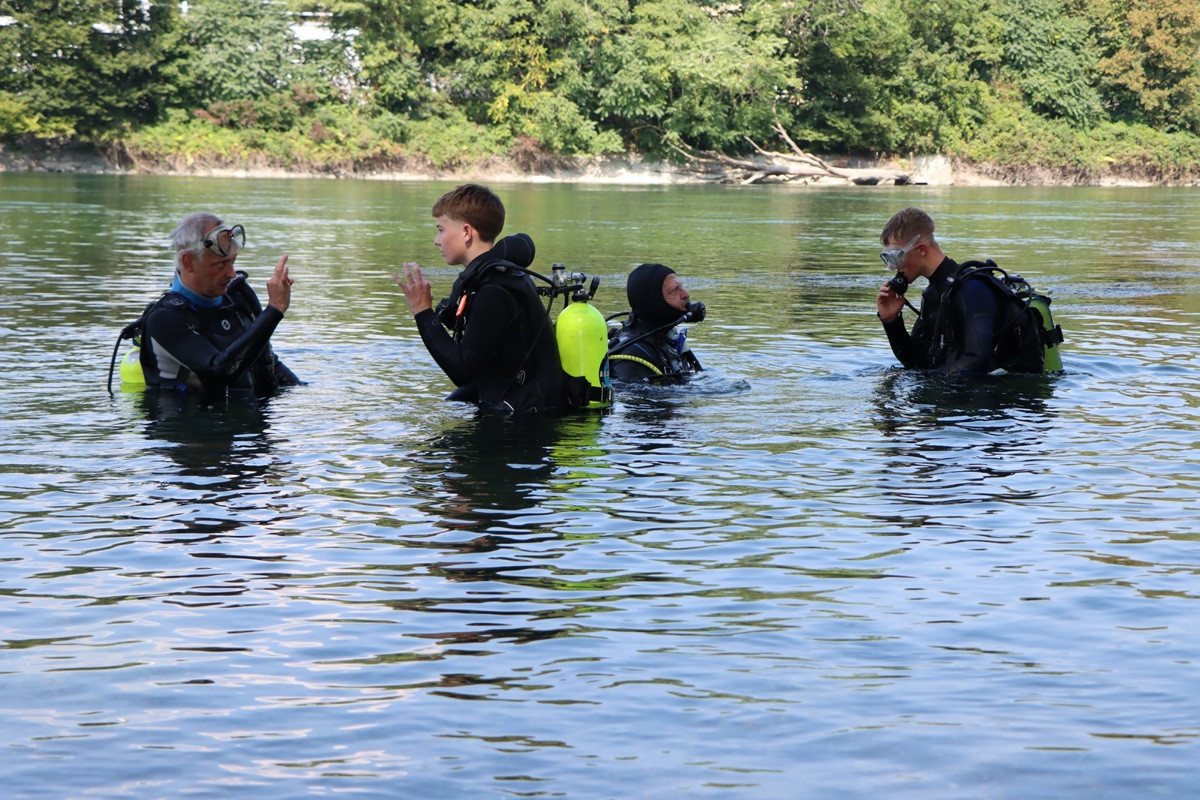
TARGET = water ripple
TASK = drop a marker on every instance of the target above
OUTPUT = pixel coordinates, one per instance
(805, 566)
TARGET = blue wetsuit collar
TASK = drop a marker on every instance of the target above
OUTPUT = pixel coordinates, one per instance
(199, 300)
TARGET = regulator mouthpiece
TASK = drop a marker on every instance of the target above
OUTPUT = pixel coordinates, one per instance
(899, 283)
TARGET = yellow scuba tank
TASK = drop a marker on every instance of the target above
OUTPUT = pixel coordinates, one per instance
(132, 377)
(582, 336)
(1052, 335)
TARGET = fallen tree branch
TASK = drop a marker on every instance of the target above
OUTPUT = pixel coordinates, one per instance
(790, 166)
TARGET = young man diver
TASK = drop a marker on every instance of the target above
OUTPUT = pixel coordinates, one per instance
(968, 321)
(210, 332)
(649, 347)
(492, 337)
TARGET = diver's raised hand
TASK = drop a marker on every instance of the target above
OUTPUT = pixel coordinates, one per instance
(417, 291)
(279, 287)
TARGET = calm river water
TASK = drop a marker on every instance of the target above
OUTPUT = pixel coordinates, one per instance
(807, 575)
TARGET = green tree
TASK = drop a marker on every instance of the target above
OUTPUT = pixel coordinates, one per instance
(402, 47)
(17, 117)
(505, 74)
(892, 75)
(1052, 56)
(727, 77)
(138, 62)
(948, 77)
(46, 59)
(84, 66)
(705, 76)
(1152, 60)
(523, 67)
(239, 50)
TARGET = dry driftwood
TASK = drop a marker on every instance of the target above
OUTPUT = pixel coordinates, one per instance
(793, 165)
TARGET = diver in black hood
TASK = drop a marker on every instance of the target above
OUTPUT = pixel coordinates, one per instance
(650, 347)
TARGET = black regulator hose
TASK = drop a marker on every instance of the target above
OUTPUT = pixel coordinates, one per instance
(112, 364)
(695, 313)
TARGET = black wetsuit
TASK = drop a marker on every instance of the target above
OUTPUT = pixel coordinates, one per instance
(967, 319)
(635, 357)
(502, 353)
(216, 349)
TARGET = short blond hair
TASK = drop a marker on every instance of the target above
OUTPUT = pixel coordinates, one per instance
(906, 224)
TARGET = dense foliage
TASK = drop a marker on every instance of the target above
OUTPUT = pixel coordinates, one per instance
(1059, 83)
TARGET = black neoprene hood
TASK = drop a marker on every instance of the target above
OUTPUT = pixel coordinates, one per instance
(645, 292)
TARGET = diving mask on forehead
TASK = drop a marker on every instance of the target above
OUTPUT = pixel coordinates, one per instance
(225, 240)
(892, 256)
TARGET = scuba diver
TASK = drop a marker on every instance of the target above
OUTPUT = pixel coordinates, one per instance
(210, 332)
(974, 318)
(492, 336)
(649, 347)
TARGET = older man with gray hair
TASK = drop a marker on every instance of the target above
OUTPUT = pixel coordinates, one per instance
(210, 332)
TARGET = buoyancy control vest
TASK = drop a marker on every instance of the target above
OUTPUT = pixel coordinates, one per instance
(562, 364)
(1026, 338)
(654, 350)
(266, 374)
(658, 354)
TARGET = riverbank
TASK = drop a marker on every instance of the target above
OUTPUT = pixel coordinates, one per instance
(617, 170)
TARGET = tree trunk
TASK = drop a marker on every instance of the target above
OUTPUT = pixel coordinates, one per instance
(794, 165)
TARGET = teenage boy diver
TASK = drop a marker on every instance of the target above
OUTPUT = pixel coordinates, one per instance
(492, 336)
(969, 322)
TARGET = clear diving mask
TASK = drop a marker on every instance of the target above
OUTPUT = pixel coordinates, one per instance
(226, 240)
(892, 256)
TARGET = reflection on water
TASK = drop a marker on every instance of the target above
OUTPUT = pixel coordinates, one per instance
(487, 472)
(225, 439)
(804, 574)
(915, 400)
